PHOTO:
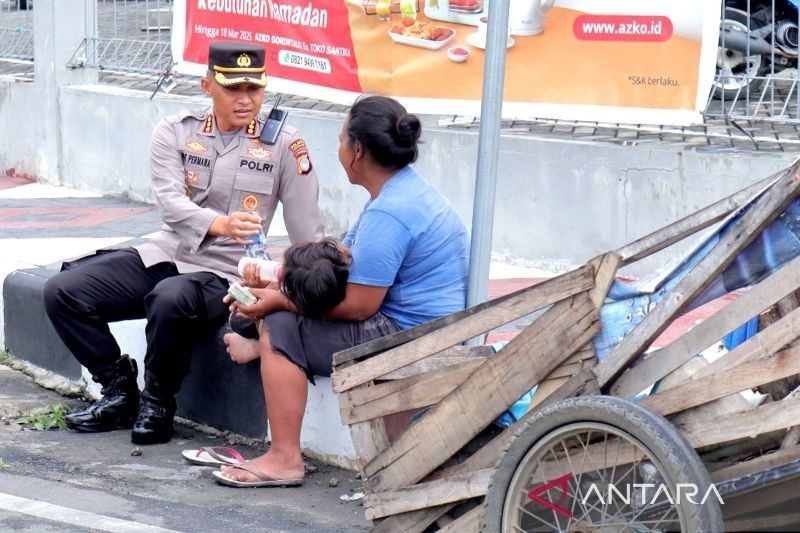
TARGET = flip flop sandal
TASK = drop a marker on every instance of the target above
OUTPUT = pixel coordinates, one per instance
(264, 479)
(213, 456)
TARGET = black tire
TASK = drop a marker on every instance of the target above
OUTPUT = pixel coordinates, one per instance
(673, 457)
(746, 67)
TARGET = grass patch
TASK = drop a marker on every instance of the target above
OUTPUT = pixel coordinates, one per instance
(49, 417)
(5, 359)
(3, 465)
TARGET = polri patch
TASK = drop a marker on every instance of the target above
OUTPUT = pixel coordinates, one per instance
(300, 151)
(250, 203)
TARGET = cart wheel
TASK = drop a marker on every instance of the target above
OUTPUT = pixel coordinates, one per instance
(599, 463)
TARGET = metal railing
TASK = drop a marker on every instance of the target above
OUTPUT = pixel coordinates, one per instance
(757, 59)
(16, 30)
(132, 36)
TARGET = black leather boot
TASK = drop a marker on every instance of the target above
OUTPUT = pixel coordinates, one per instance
(156, 416)
(117, 408)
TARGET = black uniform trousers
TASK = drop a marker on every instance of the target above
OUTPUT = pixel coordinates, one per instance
(111, 286)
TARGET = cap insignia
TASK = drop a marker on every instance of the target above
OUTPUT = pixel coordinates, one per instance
(243, 61)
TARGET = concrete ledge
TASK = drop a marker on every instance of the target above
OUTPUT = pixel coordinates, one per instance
(217, 393)
(28, 332)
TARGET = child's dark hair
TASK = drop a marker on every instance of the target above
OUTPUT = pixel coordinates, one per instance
(315, 276)
(385, 129)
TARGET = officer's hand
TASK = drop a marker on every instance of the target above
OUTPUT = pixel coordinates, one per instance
(242, 226)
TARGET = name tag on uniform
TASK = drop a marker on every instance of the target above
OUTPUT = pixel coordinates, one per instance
(256, 166)
(195, 160)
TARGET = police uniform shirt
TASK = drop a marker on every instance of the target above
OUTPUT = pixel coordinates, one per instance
(196, 177)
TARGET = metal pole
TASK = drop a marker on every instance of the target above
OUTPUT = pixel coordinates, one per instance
(494, 69)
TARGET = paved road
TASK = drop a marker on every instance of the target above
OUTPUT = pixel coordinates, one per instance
(64, 481)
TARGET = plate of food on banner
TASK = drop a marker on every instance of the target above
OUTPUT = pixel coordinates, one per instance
(421, 34)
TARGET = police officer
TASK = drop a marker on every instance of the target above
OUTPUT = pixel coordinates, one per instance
(216, 185)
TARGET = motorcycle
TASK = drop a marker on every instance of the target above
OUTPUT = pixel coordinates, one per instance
(758, 38)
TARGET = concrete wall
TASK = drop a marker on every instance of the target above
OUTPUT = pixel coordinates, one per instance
(19, 138)
(559, 201)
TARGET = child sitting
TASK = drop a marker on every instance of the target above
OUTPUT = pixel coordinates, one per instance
(313, 278)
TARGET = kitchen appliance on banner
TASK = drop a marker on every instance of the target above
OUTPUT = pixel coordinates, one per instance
(525, 16)
(458, 11)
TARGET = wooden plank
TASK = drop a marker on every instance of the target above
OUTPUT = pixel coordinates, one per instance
(766, 342)
(781, 388)
(746, 229)
(427, 390)
(774, 416)
(771, 522)
(587, 352)
(729, 404)
(569, 370)
(728, 381)
(791, 439)
(530, 356)
(738, 504)
(412, 521)
(448, 357)
(689, 225)
(366, 394)
(759, 464)
(546, 388)
(583, 383)
(428, 494)
(660, 363)
(488, 318)
(517, 304)
(443, 521)
(469, 522)
(369, 439)
(605, 268)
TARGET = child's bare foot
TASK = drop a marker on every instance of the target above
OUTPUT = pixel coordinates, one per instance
(240, 349)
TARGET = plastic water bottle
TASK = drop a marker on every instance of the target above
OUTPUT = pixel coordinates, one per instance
(268, 270)
(257, 248)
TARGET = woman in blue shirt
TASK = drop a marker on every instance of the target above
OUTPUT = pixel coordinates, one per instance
(409, 265)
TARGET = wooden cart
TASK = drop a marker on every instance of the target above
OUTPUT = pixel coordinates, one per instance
(568, 463)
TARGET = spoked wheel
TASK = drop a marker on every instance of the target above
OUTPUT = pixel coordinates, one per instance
(600, 464)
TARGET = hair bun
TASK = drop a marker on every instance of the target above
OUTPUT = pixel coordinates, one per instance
(408, 130)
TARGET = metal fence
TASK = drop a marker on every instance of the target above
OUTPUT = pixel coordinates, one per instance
(16, 30)
(132, 36)
(757, 59)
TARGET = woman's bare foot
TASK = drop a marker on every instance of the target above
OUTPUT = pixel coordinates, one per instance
(240, 349)
(278, 468)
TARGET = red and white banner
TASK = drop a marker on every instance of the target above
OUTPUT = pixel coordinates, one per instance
(648, 61)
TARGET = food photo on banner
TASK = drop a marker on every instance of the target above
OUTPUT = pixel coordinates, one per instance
(616, 60)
